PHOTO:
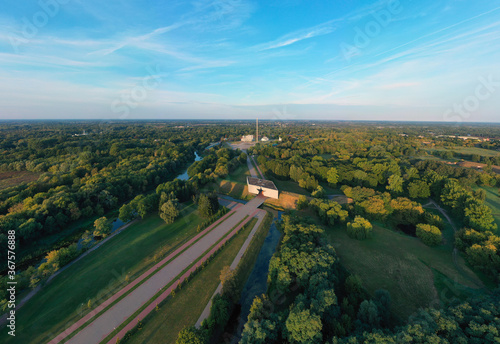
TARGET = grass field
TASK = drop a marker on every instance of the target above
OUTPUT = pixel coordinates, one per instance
(475, 150)
(469, 150)
(415, 275)
(186, 306)
(239, 175)
(493, 201)
(13, 178)
(99, 275)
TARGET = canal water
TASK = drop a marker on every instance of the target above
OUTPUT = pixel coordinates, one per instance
(256, 284)
(184, 176)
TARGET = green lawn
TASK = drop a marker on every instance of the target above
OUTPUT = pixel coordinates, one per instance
(99, 275)
(475, 150)
(468, 150)
(186, 306)
(415, 275)
(493, 201)
(239, 175)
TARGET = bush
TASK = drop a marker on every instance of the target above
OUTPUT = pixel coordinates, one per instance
(360, 229)
(430, 235)
(302, 202)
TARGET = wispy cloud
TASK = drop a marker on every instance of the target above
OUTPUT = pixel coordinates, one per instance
(300, 35)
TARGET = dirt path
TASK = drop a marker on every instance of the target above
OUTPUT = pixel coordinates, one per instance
(455, 250)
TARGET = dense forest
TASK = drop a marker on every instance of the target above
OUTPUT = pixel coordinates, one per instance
(61, 184)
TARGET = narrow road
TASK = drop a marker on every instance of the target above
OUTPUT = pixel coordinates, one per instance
(252, 170)
(112, 318)
(258, 169)
(206, 312)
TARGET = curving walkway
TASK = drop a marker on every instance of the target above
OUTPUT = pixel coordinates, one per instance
(455, 250)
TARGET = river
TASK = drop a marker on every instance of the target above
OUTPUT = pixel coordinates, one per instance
(184, 176)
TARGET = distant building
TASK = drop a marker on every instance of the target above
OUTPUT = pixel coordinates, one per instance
(280, 139)
(265, 138)
(247, 138)
(267, 187)
(82, 134)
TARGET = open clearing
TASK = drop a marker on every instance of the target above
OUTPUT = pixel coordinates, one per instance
(404, 266)
(468, 150)
(13, 178)
(99, 275)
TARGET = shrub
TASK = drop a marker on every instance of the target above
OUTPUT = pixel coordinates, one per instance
(430, 235)
(360, 229)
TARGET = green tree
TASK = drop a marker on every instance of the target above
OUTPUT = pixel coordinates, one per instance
(208, 205)
(419, 189)
(319, 192)
(191, 335)
(101, 227)
(169, 211)
(430, 235)
(368, 314)
(302, 202)
(126, 213)
(303, 327)
(229, 283)
(360, 229)
(395, 184)
(332, 176)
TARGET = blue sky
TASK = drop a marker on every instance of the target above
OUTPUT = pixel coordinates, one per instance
(355, 60)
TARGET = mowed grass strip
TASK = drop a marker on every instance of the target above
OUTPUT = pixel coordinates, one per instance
(399, 263)
(99, 275)
(186, 306)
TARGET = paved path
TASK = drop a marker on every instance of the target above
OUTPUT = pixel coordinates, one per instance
(112, 318)
(258, 168)
(256, 202)
(206, 312)
(251, 168)
(123, 291)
